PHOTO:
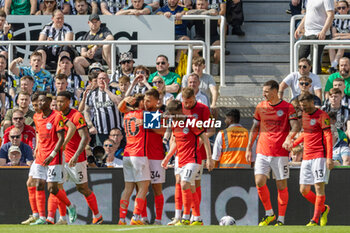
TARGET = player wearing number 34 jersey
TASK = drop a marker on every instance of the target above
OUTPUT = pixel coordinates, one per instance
(317, 157)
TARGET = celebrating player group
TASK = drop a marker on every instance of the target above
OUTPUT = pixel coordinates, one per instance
(63, 134)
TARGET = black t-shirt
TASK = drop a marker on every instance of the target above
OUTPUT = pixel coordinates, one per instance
(200, 28)
(100, 35)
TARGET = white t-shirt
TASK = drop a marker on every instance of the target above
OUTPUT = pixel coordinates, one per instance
(316, 15)
(292, 80)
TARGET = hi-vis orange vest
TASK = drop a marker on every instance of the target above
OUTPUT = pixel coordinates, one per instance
(234, 144)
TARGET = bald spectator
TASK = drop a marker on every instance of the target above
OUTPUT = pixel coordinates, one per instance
(207, 83)
(344, 73)
(23, 105)
(27, 131)
(26, 151)
(292, 80)
(101, 112)
(194, 82)
(171, 79)
(137, 8)
(94, 53)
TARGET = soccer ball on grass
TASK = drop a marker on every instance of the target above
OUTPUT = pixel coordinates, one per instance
(227, 221)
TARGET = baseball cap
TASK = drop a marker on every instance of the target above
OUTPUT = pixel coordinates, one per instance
(14, 148)
(96, 66)
(94, 16)
(127, 56)
(66, 57)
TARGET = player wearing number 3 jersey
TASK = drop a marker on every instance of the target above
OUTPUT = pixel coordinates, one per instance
(276, 123)
(317, 157)
(75, 167)
(135, 162)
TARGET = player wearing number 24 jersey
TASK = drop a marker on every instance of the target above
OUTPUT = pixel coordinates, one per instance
(317, 157)
(276, 123)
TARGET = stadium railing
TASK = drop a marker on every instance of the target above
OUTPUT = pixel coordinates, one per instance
(178, 44)
(189, 43)
(294, 44)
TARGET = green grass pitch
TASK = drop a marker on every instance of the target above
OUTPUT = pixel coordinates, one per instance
(165, 229)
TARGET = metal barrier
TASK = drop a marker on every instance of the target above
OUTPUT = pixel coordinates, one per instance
(178, 44)
(207, 19)
(293, 55)
(113, 44)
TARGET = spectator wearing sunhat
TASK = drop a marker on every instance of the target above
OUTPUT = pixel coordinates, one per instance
(126, 67)
(94, 53)
(15, 157)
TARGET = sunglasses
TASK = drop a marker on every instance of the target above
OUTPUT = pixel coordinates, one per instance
(140, 72)
(157, 82)
(302, 66)
(304, 83)
(158, 63)
(341, 8)
(15, 136)
(18, 118)
(123, 62)
(108, 145)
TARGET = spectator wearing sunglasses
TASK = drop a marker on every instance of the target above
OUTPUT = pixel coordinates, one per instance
(305, 83)
(171, 79)
(26, 151)
(126, 67)
(27, 132)
(164, 97)
(110, 148)
(292, 80)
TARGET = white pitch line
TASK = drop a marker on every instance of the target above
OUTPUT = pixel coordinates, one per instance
(138, 228)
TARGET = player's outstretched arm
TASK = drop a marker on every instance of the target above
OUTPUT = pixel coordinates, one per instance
(122, 105)
(252, 136)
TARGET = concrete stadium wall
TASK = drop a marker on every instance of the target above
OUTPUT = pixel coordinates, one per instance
(224, 192)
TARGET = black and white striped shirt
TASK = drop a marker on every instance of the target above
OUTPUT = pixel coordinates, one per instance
(75, 82)
(342, 25)
(56, 34)
(114, 6)
(106, 115)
